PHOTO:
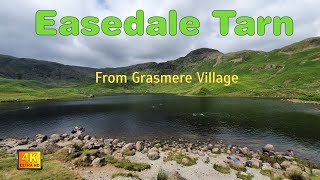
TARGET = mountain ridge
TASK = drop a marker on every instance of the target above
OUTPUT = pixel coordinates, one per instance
(289, 72)
(46, 71)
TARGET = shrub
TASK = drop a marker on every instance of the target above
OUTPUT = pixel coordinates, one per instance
(222, 169)
(162, 175)
(129, 175)
(244, 177)
(179, 157)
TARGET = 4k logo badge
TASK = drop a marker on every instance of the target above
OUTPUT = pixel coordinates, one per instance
(29, 159)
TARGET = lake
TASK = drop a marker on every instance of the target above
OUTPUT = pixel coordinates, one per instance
(242, 121)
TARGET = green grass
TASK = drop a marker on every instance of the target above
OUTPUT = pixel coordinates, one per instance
(126, 164)
(178, 157)
(162, 175)
(52, 169)
(221, 169)
(243, 177)
(129, 175)
(266, 173)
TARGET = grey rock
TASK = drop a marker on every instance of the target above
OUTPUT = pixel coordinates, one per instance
(276, 166)
(256, 162)
(87, 137)
(293, 169)
(185, 161)
(244, 150)
(98, 162)
(285, 164)
(139, 146)
(23, 141)
(115, 142)
(107, 151)
(307, 170)
(153, 155)
(268, 148)
(55, 137)
(266, 167)
(127, 147)
(215, 150)
(108, 141)
(289, 158)
(15, 149)
(316, 172)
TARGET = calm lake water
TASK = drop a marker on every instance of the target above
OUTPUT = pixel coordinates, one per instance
(241, 121)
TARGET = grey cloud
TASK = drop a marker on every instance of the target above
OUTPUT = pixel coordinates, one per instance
(18, 36)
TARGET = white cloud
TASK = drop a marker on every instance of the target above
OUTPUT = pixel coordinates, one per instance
(18, 36)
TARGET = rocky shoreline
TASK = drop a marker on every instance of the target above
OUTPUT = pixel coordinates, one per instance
(99, 158)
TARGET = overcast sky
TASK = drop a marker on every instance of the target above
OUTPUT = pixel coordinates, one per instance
(18, 38)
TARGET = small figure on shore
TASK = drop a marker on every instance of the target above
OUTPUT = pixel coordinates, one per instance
(77, 130)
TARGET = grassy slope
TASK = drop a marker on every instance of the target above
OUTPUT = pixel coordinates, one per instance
(52, 169)
(298, 79)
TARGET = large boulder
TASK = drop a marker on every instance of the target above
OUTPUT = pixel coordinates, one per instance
(115, 142)
(153, 155)
(316, 172)
(285, 164)
(118, 156)
(266, 167)
(23, 141)
(41, 137)
(64, 143)
(139, 146)
(98, 162)
(106, 150)
(48, 147)
(77, 142)
(107, 141)
(276, 166)
(16, 148)
(256, 163)
(55, 137)
(89, 145)
(268, 148)
(293, 169)
(215, 151)
(127, 148)
(244, 150)
(87, 137)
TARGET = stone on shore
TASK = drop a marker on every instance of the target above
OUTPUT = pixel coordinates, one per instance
(256, 163)
(118, 156)
(48, 147)
(268, 148)
(41, 137)
(139, 146)
(153, 154)
(285, 164)
(266, 167)
(64, 143)
(98, 162)
(276, 166)
(55, 138)
(293, 169)
(316, 172)
(106, 151)
(15, 149)
(23, 141)
(215, 151)
(127, 148)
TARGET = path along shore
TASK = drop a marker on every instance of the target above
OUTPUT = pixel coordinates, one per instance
(99, 158)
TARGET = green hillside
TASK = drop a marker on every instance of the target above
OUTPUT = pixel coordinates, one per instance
(289, 72)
